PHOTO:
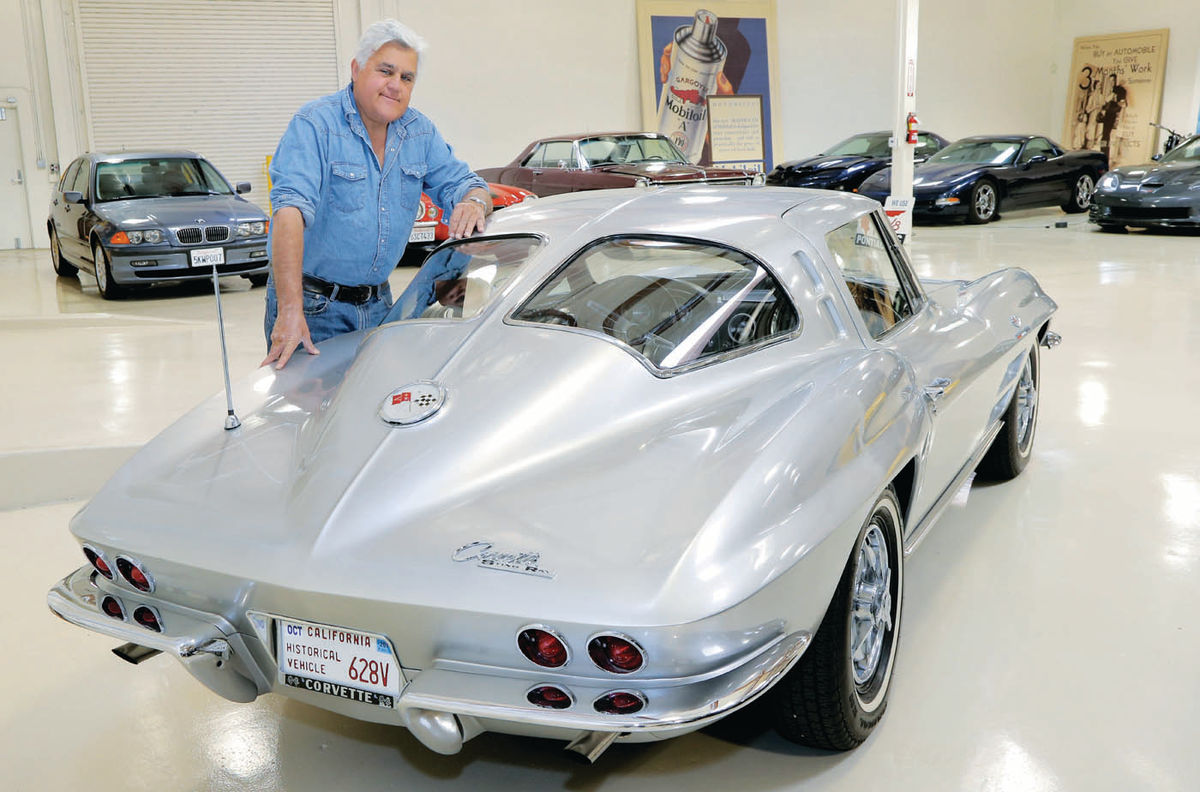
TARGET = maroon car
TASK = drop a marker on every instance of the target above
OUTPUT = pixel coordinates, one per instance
(569, 163)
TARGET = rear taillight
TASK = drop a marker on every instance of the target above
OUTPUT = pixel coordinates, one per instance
(619, 702)
(147, 617)
(542, 647)
(112, 607)
(133, 572)
(96, 559)
(615, 654)
(550, 697)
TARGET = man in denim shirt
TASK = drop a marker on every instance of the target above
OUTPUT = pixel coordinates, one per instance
(346, 181)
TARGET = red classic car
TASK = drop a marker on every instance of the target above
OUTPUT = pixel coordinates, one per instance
(430, 228)
(569, 163)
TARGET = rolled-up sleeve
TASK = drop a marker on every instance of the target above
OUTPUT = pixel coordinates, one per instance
(296, 172)
(448, 178)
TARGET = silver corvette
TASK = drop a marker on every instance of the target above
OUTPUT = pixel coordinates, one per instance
(614, 469)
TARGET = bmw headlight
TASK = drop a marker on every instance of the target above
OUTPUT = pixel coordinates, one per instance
(1110, 181)
(152, 236)
(254, 228)
(135, 237)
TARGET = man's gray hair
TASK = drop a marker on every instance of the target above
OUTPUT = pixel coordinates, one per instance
(384, 31)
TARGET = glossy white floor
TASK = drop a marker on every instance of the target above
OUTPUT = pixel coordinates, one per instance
(1050, 637)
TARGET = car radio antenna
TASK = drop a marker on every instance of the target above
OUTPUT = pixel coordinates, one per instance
(231, 419)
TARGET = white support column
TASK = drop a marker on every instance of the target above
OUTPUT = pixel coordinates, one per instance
(900, 204)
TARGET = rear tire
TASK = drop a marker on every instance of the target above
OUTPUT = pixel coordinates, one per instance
(838, 691)
(1012, 448)
(985, 202)
(1081, 194)
(61, 267)
(109, 289)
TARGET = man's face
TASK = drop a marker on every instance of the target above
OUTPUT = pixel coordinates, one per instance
(383, 85)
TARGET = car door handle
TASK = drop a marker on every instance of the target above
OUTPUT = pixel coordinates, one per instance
(537, 173)
(934, 392)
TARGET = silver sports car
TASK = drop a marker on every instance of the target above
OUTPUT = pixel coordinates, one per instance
(1165, 193)
(612, 470)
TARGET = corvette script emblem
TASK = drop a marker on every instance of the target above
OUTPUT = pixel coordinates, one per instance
(485, 555)
(412, 403)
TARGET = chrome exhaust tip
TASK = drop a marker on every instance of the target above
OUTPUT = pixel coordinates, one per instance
(135, 653)
(590, 745)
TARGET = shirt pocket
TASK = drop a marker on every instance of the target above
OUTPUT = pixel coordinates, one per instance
(413, 182)
(347, 186)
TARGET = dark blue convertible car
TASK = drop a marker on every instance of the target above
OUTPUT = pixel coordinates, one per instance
(976, 176)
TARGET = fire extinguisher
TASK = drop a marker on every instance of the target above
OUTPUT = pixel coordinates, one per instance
(911, 125)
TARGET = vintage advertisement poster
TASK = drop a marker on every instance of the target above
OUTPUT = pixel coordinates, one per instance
(1114, 95)
(709, 77)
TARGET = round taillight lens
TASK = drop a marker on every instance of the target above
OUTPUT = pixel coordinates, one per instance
(542, 647)
(112, 607)
(614, 654)
(619, 702)
(550, 697)
(97, 561)
(147, 618)
(132, 572)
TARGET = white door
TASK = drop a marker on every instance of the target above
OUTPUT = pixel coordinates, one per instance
(14, 219)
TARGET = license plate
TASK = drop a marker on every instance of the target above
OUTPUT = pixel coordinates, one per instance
(421, 235)
(337, 661)
(206, 257)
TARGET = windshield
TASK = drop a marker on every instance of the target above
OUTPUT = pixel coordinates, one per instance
(158, 177)
(459, 281)
(1187, 151)
(983, 152)
(628, 149)
(873, 144)
(671, 301)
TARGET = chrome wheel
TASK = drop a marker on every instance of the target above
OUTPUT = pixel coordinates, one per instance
(983, 202)
(1027, 400)
(1083, 191)
(871, 613)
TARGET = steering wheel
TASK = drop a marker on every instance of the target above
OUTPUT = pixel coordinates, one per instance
(558, 317)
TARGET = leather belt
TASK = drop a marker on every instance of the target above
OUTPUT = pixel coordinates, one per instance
(346, 294)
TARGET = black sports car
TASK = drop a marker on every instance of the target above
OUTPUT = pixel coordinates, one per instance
(845, 165)
(975, 176)
(1163, 193)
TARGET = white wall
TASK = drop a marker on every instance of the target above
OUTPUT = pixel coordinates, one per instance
(1181, 89)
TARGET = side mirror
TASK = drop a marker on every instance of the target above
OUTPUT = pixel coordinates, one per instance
(1156, 157)
(1036, 158)
(242, 187)
(73, 196)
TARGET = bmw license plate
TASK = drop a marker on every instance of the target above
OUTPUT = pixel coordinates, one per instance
(338, 661)
(206, 257)
(421, 235)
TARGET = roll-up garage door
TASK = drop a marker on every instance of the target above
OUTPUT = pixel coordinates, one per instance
(219, 77)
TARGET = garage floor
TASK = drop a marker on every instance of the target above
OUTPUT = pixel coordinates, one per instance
(1051, 639)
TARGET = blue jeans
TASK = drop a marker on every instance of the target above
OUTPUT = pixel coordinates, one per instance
(327, 318)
